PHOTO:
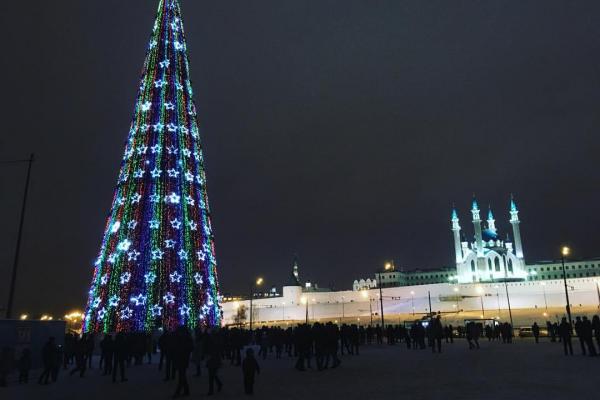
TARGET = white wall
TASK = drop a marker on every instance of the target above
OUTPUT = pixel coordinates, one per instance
(398, 300)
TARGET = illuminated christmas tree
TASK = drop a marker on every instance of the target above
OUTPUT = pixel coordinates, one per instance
(157, 263)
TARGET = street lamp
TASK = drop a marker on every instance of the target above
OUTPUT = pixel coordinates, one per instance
(480, 291)
(387, 267)
(304, 301)
(257, 283)
(565, 252)
(545, 300)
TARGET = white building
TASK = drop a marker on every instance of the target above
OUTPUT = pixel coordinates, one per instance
(488, 258)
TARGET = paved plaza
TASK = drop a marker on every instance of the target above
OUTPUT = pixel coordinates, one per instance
(522, 370)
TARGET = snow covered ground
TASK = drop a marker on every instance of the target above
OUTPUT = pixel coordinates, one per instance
(522, 370)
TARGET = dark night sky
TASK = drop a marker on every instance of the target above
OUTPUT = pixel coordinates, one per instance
(340, 130)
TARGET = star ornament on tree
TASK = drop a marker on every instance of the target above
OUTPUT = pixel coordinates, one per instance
(169, 298)
(153, 224)
(126, 313)
(156, 311)
(101, 313)
(113, 301)
(183, 255)
(184, 310)
(175, 277)
(169, 243)
(104, 279)
(125, 278)
(124, 245)
(146, 106)
(198, 278)
(138, 300)
(133, 255)
(173, 198)
(112, 258)
(157, 254)
(176, 224)
(96, 302)
(149, 277)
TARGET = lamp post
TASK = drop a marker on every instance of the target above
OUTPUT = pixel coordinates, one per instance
(480, 291)
(304, 301)
(507, 296)
(566, 251)
(388, 266)
(258, 282)
(545, 300)
(13, 278)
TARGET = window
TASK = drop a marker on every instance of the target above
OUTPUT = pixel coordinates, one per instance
(510, 265)
(489, 264)
(497, 263)
(473, 267)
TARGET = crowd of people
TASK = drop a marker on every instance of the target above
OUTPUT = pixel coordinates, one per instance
(319, 344)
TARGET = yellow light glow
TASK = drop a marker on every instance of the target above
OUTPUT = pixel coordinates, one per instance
(365, 294)
(545, 314)
(259, 281)
(24, 316)
(565, 251)
(388, 266)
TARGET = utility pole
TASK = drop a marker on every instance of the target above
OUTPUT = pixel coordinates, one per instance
(429, 297)
(13, 279)
(381, 302)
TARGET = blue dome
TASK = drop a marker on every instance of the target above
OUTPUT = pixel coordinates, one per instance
(489, 234)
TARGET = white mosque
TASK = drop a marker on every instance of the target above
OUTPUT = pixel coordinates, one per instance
(488, 258)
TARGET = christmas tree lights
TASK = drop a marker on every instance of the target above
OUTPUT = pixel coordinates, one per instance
(157, 265)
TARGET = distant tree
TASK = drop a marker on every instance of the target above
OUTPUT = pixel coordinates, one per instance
(241, 315)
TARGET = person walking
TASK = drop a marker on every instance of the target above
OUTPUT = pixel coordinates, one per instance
(119, 357)
(49, 359)
(437, 332)
(588, 336)
(535, 329)
(183, 346)
(24, 366)
(249, 369)
(564, 332)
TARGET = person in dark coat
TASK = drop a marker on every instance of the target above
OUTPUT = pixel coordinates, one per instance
(249, 368)
(80, 360)
(49, 360)
(107, 347)
(119, 357)
(182, 348)
(213, 364)
(564, 332)
(579, 335)
(535, 329)
(24, 365)
(437, 332)
(588, 336)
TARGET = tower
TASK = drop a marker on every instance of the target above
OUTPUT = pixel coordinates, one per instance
(514, 221)
(295, 278)
(477, 227)
(156, 266)
(456, 233)
(491, 221)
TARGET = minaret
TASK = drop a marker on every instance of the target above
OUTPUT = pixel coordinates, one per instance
(477, 227)
(514, 221)
(491, 221)
(456, 232)
(295, 273)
